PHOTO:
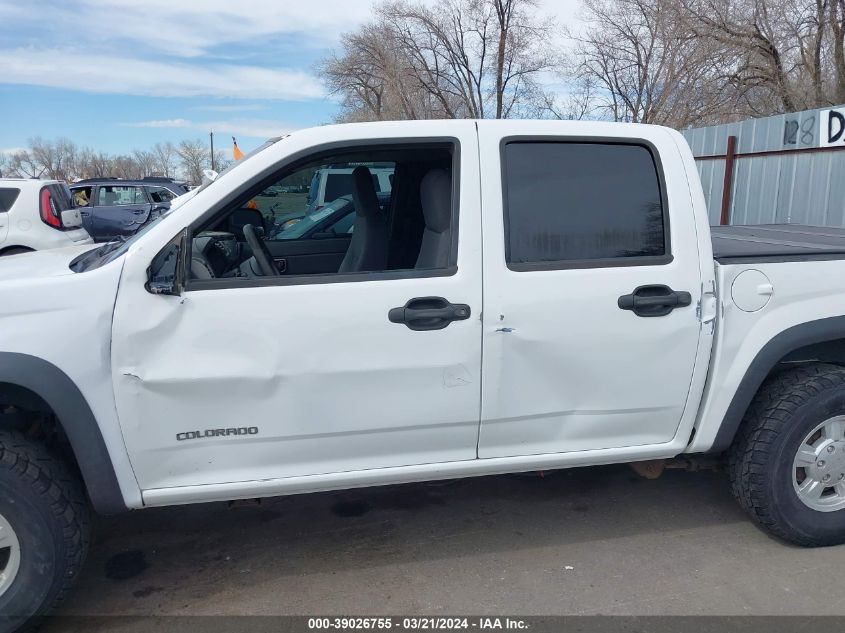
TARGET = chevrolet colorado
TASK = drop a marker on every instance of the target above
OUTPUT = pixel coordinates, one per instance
(534, 295)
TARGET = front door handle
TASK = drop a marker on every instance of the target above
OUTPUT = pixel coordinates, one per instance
(654, 301)
(429, 313)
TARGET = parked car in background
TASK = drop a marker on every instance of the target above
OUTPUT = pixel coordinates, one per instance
(37, 215)
(112, 208)
(331, 182)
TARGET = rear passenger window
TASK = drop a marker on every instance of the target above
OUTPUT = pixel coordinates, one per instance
(113, 196)
(8, 196)
(581, 202)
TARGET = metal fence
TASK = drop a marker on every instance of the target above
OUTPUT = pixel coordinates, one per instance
(782, 169)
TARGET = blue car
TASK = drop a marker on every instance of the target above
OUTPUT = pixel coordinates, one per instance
(112, 209)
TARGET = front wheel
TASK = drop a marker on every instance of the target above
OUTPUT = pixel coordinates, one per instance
(44, 531)
(787, 463)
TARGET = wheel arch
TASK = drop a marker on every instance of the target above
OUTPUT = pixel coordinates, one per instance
(39, 384)
(16, 247)
(822, 340)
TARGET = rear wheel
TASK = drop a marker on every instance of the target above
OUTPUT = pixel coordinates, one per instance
(44, 529)
(787, 464)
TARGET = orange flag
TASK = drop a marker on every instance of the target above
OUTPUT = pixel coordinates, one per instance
(238, 154)
(236, 151)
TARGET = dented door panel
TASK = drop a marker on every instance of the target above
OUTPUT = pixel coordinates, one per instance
(244, 384)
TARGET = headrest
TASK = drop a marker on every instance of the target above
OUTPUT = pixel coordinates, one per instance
(364, 193)
(436, 198)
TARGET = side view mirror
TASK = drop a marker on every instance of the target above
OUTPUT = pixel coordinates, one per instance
(165, 274)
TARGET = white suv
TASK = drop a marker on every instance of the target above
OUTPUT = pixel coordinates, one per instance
(36, 215)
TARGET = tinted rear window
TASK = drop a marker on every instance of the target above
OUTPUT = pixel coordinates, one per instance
(8, 195)
(581, 201)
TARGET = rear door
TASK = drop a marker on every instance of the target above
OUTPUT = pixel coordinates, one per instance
(119, 211)
(590, 292)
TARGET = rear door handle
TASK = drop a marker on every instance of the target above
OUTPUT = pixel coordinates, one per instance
(429, 313)
(654, 301)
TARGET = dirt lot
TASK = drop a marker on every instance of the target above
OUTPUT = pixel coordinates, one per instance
(585, 541)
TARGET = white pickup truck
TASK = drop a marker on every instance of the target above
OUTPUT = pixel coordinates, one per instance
(534, 295)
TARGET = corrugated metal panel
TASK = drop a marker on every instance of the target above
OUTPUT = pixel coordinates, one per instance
(801, 188)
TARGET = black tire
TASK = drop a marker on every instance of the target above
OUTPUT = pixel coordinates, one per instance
(15, 250)
(787, 408)
(48, 512)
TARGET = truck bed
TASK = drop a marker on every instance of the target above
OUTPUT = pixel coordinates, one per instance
(776, 242)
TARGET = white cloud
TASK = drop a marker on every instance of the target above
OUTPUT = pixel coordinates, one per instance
(189, 28)
(59, 68)
(161, 123)
(258, 128)
(11, 150)
(245, 107)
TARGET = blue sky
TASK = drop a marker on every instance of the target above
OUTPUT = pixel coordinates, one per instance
(121, 74)
(118, 74)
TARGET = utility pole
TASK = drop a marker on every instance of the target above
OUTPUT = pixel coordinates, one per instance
(211, 136)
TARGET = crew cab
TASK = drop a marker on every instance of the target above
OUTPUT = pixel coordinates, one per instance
(535, 295)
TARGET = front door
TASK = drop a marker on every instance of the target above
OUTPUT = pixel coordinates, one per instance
(590, 292)
(249, 377)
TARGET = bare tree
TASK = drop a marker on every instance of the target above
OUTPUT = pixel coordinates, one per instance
(375, 79)
(166, 159)
(93, 164)
(453, 59)
(194, 157)
(221, 160)
(63, 160)
(636, 62)
(779, 55)
(145, 163)
(49, 159)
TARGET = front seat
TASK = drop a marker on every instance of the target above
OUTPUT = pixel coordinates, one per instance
(436, 199)
(200, 266)
(368, 246)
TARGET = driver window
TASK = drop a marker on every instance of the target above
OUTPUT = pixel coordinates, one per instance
(361, 211)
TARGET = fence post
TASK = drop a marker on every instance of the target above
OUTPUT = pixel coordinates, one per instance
(727, 185)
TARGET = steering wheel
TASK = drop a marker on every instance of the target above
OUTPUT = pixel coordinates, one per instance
(260, 252)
